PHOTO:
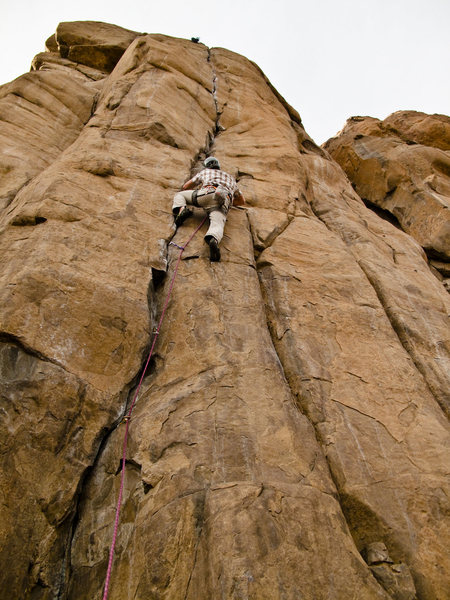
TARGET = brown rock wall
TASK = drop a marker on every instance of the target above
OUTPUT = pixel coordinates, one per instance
(388, 266)
(98, 203)
(361, 405)
(51, 426)
(216, 459)
(414, 301)
(91, 43)
(41, 114)
(292, 415)
(402, 165)
(49, 60)
(79, 298)
(420, 128)
(222, 466)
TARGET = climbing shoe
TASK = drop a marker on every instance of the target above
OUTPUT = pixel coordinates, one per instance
(214, 251)
(182, 215)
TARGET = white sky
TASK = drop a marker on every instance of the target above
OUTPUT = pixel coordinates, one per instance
(330, 59)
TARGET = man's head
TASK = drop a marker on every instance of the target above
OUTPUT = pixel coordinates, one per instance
(211, 163)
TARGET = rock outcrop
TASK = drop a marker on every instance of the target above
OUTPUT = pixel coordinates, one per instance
(402, 165)
(293, 421)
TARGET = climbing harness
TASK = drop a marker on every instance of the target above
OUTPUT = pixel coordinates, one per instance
(126, 419)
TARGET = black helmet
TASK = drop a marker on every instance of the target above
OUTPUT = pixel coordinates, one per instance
(211, 163)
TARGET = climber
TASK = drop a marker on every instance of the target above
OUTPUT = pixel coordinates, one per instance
(216, 192)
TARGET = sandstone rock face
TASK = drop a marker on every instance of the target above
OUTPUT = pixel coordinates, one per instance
(91, 43)
(290, 438)
(42, 113)
(395, 578)
(402, 165)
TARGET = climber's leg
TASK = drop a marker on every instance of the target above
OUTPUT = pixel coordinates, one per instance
(217, 220)
(181, 199)
(179, 208)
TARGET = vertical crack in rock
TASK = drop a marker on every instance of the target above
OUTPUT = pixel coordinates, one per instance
(211, 135)
(156, 297)
(155, 300)
(104, 438)
(294, 394)
(74, 516)
(199, 515)
(299, 404)
(214, 93)
(346, 509)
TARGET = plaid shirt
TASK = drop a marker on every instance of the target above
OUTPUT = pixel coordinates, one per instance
(217, 178)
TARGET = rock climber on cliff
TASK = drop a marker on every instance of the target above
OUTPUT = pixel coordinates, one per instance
(216, 192)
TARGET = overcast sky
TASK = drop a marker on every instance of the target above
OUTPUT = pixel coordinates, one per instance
(330, 59)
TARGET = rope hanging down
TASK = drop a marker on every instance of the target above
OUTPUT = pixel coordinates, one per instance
(128, 415)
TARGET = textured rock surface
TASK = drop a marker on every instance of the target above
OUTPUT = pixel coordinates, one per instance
(41, 114)
(97, 45)
(402, 165)
(294, 413)
(395, 578)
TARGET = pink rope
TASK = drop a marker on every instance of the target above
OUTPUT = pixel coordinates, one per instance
(128, 416)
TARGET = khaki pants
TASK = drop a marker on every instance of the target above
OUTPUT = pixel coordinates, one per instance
(216, 204)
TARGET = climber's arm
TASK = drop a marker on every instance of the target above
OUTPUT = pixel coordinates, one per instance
(190, 185)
